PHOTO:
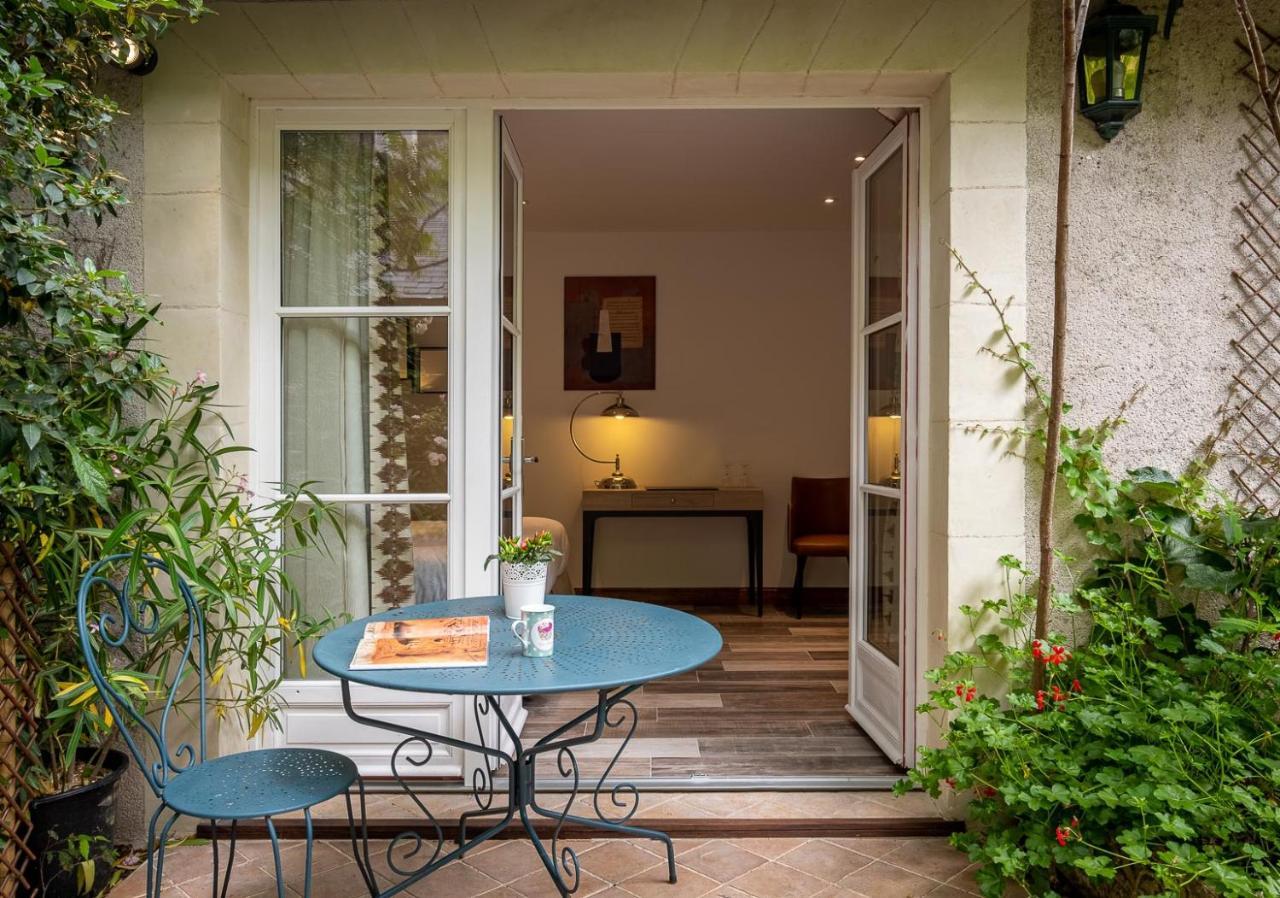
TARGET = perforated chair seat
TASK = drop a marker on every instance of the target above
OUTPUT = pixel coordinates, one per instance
(260, 783)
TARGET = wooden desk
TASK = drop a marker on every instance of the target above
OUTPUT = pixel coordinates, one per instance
(745, 503)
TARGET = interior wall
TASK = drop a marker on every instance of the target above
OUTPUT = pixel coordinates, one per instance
(752, 367)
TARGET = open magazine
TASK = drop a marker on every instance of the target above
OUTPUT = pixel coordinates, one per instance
(433, 642)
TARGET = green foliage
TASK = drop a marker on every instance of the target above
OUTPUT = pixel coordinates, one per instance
(101, 449)
(534, 549)
(1150, 763)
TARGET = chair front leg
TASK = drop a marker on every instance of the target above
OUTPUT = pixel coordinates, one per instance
(159, 856)
(360, 844)
(231, 859)
(306, 881)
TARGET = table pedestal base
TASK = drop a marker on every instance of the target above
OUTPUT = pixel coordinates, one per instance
(406, 858)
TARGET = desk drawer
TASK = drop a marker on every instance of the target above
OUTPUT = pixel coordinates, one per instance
(673, 500)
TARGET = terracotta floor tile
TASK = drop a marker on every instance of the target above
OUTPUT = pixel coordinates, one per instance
(722, 861)
(873, 848)
(615, 860)
(454, 881)
(934, 858)
(966, 880)
(538, 884)
(652, 883)
(338, 882)
(946, 891)
(774, 880)
(768, 848)
(246, 880)
(506, 860)
(836, 891)
(883, 880)
(828, 862)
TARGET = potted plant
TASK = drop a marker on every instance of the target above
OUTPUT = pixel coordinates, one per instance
(105, 451)
(524, 564)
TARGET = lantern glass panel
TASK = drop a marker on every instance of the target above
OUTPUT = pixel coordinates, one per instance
(1129, 43)
(1094, 54)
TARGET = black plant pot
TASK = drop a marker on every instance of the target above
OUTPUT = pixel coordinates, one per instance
(87, 811)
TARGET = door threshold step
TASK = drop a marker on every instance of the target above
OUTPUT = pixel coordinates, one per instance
(677, 828)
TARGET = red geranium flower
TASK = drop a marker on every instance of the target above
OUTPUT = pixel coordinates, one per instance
(1062, 836)
(1040, 699)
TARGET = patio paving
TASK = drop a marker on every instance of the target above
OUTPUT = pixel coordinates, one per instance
(612, 868)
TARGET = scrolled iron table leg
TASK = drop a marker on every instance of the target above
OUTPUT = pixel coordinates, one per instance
(611, 711)
(603, 721)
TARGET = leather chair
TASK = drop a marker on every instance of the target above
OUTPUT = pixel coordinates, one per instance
(817, 524)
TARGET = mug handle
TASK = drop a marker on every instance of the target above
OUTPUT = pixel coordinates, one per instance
(523, 637)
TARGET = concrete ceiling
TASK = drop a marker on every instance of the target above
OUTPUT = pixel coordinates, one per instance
(691, 170)
(541, 48)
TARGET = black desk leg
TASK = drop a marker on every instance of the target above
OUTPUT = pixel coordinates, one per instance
(588, 549)
(759, 561)
(751, 556)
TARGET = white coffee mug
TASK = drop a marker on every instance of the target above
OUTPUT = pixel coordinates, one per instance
(536, 630)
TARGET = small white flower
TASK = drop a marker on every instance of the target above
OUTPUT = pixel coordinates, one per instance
(436, 458)
(201, 378)
(440, 441)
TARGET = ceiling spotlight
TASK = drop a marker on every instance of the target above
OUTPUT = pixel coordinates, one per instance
(133, 56)
(829, 200)
(859, 159)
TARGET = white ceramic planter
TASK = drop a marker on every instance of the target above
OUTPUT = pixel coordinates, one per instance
(523, 584)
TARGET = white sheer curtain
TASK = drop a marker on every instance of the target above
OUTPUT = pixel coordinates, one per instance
(327, 232)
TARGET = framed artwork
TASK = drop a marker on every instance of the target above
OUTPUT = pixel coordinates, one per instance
(609, 331)
(429, 369)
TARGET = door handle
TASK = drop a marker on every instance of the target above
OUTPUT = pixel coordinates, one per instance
(530, 459)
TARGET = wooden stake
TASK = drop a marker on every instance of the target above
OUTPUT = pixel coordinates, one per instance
(1073, 15)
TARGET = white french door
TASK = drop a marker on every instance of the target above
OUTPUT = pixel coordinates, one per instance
(358, 374)
(882, 600)
(510, 354)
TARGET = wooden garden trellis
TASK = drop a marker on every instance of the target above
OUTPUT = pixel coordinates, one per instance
(1252, 454)
(17, 717)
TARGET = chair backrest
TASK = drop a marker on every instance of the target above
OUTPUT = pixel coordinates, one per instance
(116, 615)
(819, 505)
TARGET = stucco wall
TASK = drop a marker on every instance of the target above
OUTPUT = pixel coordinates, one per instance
(1153, 237)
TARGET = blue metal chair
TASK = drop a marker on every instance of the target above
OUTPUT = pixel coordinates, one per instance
(247, 785)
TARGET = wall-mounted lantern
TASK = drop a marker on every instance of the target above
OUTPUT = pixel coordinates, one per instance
(1113, 58)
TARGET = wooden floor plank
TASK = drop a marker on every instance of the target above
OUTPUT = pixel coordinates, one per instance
(770, 704)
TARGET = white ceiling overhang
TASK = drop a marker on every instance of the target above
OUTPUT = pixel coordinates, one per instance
(590, 48)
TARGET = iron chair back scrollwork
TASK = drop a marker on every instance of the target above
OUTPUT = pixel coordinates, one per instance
(120, 606)
(136, 619)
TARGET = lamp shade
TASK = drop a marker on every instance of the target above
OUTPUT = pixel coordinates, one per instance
(619, 409)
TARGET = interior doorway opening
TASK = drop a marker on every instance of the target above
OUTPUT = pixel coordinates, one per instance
(703, 267)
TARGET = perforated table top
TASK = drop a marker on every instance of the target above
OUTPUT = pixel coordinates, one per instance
(599, 644)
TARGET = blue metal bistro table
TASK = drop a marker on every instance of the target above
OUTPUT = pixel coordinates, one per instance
(609, 646)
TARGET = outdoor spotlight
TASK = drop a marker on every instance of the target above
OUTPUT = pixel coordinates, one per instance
(133, 56)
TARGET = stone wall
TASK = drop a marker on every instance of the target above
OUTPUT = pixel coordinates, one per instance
(117, 243)
(1153, 237)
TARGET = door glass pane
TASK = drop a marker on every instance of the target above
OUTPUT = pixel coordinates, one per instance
(884, 236)
(880, 620)
(884, 407)
(364, 218)
(507, 526)
(507, 397)
(510, 211)
(365, 404)
(394, 554)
